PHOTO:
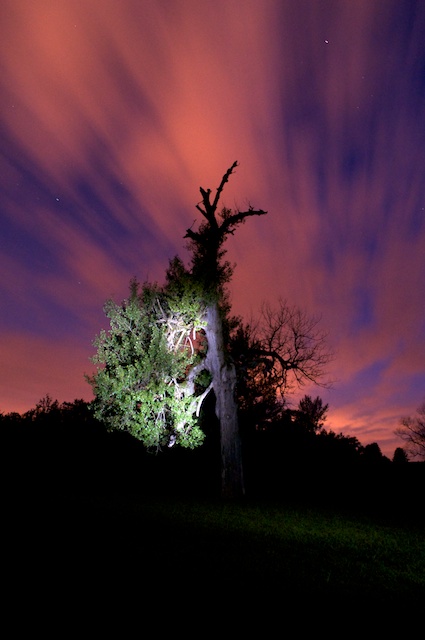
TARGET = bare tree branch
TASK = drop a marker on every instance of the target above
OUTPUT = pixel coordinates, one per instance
(209, 211)
(412, 431)
(290, 347)
(237, 218)
(193, 235)
(224, 179)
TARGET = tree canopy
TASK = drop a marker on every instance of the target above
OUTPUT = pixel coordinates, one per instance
(143, 386)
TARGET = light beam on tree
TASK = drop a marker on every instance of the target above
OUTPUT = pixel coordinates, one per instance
(149, 378)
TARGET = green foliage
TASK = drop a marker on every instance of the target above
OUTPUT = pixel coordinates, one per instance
(140, 383)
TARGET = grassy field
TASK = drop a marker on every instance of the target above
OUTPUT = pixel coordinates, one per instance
(251, 546)
(183, 557)
(75, 541)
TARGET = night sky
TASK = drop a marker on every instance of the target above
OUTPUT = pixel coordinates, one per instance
(114, 112)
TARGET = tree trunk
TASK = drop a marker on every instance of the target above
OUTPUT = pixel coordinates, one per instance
(224, 385)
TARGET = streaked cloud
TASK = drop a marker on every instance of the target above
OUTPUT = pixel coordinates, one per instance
(114, 113)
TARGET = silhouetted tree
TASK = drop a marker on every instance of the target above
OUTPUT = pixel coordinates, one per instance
(412, 431)
(281, 351)
(371, 454)
(400, 456)
(43, 408)
(257, 396)
(338, 449)
(311, 414)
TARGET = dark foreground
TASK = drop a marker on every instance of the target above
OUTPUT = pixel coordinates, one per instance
(173, 559)
(89, 543)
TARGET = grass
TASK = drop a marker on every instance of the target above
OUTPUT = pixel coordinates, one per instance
(248, 547)
(175, 561)
(79, 538)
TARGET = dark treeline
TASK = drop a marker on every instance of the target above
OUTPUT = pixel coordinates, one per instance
(295, 457)
(61, 449)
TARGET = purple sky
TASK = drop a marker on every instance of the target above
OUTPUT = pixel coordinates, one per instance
(114, 113)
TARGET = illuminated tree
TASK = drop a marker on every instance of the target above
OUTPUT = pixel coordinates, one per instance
(152, 376)
(212, 272)
(168, 347)
(143, 385)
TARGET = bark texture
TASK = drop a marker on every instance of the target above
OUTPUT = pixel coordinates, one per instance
(211, 271)
(224, 384)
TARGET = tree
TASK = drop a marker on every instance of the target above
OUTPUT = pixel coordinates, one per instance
(142, 385)
(169, 347)
(282, 350)
(412, 431)
(400, 456)
(371, 454)
(211, 270)
(150, 381)
(44, 407)
(293, 351)
(259, 405)
(338, 449)
(311, 414)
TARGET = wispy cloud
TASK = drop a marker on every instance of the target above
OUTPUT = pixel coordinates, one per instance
(112, 116)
